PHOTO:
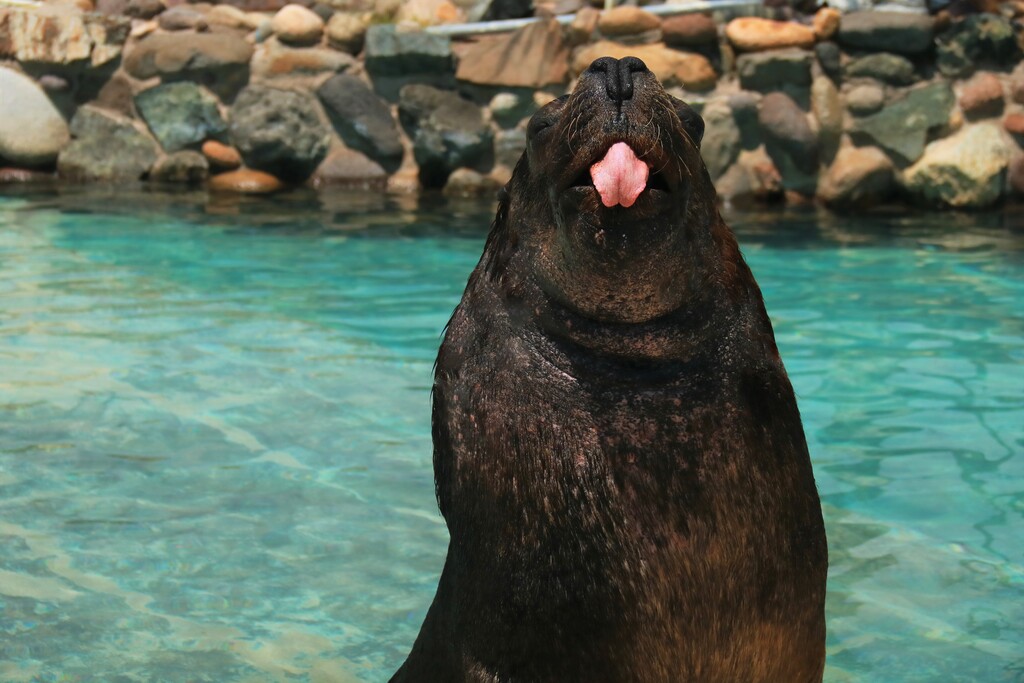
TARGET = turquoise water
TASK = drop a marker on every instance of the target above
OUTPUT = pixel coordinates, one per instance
(214, 432)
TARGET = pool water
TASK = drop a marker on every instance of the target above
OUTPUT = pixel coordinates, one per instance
(215, 460)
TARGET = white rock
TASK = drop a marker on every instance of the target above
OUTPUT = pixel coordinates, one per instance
(32, 131)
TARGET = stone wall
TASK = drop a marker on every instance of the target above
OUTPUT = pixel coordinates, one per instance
(851, 109)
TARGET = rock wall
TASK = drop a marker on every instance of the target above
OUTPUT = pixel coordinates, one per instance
(849, 109)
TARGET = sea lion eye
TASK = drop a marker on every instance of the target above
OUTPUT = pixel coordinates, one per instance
(692, 121)
(545, 117)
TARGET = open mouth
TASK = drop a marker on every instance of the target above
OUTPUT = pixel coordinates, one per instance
(620, 177)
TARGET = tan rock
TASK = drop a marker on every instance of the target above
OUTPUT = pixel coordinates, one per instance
(348, 169)
(245, 181)
(465, 182)
(964, 170)
(826, 23)
(55, 34)
(221, 156)
(347, 32)
(858, 177)
(671, 67)
(272, 60)
(429, 12)
(625, 20)
(583, 26)
(297, 25)
(753, 34)
(532, 57)
(232, 17)
(753, 178)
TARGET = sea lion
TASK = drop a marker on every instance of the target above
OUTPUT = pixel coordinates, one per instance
(618, 452)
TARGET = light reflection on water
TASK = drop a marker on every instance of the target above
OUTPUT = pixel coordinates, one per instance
(214, 432)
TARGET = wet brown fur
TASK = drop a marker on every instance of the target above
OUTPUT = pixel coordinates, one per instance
(617, 448)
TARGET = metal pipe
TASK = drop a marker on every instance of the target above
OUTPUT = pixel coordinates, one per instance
(504, 25)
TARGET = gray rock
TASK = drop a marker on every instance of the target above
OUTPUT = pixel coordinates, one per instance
(744, 106)
(351, 170)
(828, 110)
(877, 31)
(188, 167)
(278, 131)
(774, 69)
(830, 59)
(721, 143)
(182, 18)
(392, 52)
(865, 99)
(144, 9)
(448, 132)
(106, 146)
(901, 127)
(362, 119)
(965, 170)
(790, 141)
(883, 66)
(508, 108)
(509, 146)
(985, 40)
(32, 131)
(219, 61)
(180, 114)
(858, 178)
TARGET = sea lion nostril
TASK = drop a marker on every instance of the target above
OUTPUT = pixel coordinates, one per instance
(617, 75)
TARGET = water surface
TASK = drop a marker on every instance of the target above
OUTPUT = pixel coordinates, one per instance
(214, 432)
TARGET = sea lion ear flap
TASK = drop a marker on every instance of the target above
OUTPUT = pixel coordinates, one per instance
(692, 121)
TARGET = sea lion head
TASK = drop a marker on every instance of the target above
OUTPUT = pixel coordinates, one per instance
(611, 197)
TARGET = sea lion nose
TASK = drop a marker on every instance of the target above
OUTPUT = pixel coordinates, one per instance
(618, 75)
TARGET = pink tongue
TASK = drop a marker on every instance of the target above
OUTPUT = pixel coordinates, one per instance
(620, 177)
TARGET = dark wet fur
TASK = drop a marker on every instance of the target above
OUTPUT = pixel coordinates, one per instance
(617, 448)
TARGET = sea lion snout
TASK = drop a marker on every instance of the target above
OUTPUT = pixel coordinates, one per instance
(618, 75)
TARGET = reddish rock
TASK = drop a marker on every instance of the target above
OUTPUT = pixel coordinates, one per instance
(273, 59)
(626, 21)
(826, 23)
(245, 181)
(532, 57)
(221, 156)
(753, 34)
(671, 67)
(297, 25)
(1014, 123)
(428, 12)
(982, 96)
(689, 30)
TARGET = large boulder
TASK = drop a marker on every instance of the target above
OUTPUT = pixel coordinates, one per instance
(672, 67)
(218, 60)
(753, 34)
(988, 40)
(965, 170)
(180, 114)
(790, 141)
(32, 131)
(532, 57)
(106, 146)
(901, 127)
(858, 178)
(59, 34)
(362, 119)
(448, 132)
(880, 31)
(775, 70)
(278, 131)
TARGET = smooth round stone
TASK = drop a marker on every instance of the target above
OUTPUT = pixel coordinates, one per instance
(221, 156)
(297, 25)
(245, 181)
(32, 131)
(865, 99)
